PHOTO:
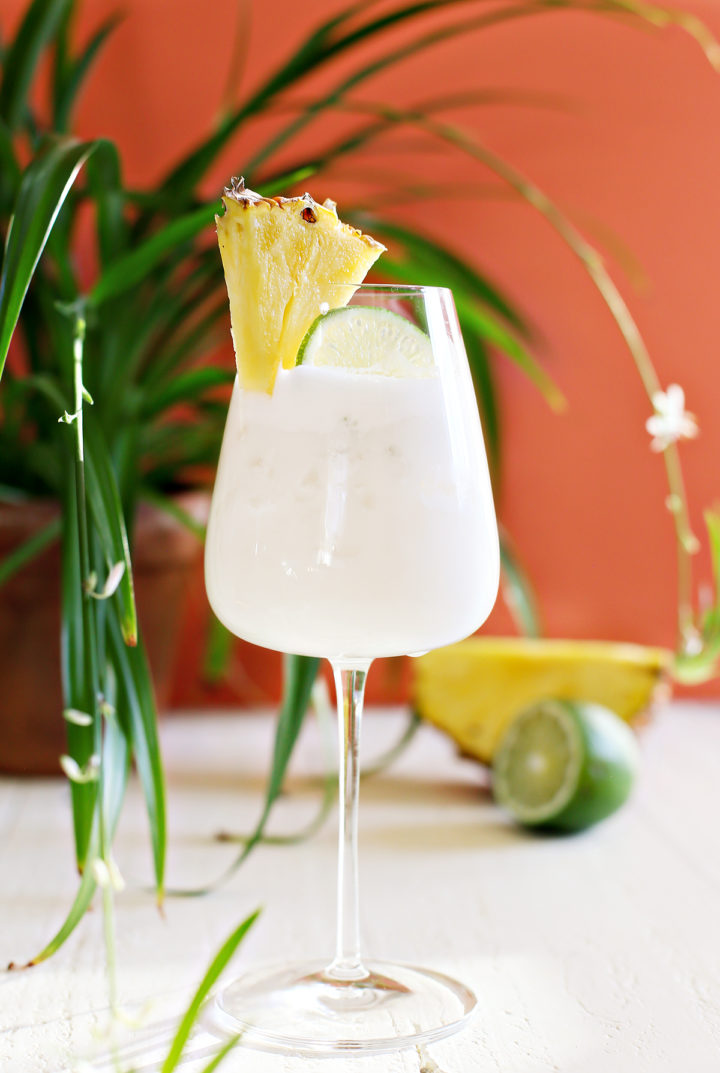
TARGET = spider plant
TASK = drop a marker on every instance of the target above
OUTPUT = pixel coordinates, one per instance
(108, 397)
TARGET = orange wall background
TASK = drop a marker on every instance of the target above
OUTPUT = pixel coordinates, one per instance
(624, 135)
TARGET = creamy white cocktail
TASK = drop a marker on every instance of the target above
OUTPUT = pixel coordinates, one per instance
(352, 518)
(352, 515)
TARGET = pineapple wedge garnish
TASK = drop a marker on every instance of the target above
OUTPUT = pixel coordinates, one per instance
(285, 260)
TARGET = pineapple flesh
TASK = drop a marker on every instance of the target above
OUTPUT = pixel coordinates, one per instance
(474, 689)
(285, 261)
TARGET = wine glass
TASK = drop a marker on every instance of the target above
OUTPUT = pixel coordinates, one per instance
(352, 518)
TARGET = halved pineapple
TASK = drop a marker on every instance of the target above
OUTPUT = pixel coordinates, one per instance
(285, 259)
(475, 688)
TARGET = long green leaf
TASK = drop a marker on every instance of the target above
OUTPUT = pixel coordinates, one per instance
(428, 253)
(300, 673)
(493, 330)
(214, 1063)
(486, 324)
(91, 613)
(44, 187)
(325, 43)
(115, 756)
(74, 655)
(590, 259)
(36, 30)
(77, 911)
(393, 56)
(46, 385)
(67, 89)
(115, 774)
(310, 54)
(430, 271)
(289, 175)
(143, 318)
(428, 261)
(479, 363)
(396, 750)
(135, 696)
(238, 57)
(9, 169)
(186, 386)
(325, 716)
(104, 500)
(61, 61)
(104, 180)
(168, 327)
(208, 981)
(58, 254)
(712, 522)
(517, 591)
(28, 550)
(692, 668)
(131, 269)
(197, 447)
(218, 649)
(384, 120)
(10, 494)
(201, 335)
(173, 509)
(510, 11)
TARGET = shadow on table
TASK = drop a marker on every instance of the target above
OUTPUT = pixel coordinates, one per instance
(442, 835)
(400, 789)
(384, 788)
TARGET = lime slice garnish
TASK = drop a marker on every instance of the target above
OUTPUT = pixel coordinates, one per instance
(363, 339)
(564, 764)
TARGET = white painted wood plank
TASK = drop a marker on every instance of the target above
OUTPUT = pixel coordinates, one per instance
(589, 953)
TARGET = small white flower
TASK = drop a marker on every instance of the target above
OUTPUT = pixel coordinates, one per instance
(671, 421)
(75, 773)
(115, 575)
(106, 709)
(107, 874)
(116, 877)
(113, 579)
(101, 872)
(692, 642)
(78, 718)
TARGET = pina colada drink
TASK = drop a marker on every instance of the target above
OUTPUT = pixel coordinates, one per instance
(352, 515)
(351, 518)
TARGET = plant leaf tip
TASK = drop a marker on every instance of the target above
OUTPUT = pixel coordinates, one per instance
(558, 402)
(12, 966)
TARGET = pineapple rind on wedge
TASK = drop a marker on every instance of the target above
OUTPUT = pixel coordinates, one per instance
(285, 260)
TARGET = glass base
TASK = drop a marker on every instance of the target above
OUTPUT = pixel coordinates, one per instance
(302, 1009)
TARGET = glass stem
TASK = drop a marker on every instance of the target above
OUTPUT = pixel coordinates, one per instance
(350, 687)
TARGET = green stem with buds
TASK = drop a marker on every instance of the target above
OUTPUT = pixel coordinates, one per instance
(90, 625)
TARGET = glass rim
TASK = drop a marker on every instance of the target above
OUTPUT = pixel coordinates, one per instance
(394, 288)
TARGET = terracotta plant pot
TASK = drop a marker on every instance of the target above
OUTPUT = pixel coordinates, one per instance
(32, 732)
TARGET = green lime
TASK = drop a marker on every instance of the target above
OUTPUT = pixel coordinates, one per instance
(564, 764)
(364, 339)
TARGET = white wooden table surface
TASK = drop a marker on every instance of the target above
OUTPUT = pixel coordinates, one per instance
(598, 953)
